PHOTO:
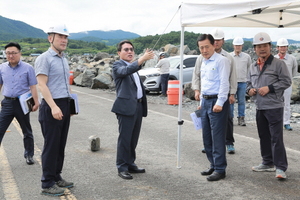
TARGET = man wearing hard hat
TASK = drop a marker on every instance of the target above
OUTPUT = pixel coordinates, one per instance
(291, 63)
(267, 80)
(219, 36)
(242, 62)
(164, 68)
(52, 72)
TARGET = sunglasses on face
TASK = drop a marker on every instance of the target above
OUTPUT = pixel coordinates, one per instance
(128, 49)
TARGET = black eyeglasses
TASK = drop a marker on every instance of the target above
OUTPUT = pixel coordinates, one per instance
(128, 49)
(11, 53)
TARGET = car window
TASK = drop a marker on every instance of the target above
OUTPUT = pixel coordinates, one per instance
(174, 62)
(189, 62)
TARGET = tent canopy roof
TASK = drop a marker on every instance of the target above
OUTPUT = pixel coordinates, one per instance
(242, 13)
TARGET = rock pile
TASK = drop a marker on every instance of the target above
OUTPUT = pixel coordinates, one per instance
(95, 71)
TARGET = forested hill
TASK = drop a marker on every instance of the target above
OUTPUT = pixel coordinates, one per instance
(190, 39)
(13, 29)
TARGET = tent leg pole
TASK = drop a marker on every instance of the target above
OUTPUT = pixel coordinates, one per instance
(180, 121)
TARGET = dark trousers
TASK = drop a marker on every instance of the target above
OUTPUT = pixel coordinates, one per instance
(129, 131)
(229, 128)
(55, 133)
(9, 110)
(270, 131)
(164, 78)
(213, 132)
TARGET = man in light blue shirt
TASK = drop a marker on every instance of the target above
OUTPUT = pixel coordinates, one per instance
(214, 106)
(17, 78)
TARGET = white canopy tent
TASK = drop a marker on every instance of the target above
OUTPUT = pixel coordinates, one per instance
(234, 13)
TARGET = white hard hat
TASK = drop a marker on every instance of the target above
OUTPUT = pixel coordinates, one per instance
(60, 29)
(238, 41)
(261, 38)
(282, 42)
(217, 33)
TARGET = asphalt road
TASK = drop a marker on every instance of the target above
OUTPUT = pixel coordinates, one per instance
(95, 175)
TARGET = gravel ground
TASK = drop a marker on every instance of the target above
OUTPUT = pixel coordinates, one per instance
(190, 106)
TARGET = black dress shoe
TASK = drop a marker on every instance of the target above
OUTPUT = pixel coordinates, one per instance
(207, 172)
(137, 170)
(125, 175)
(29, 160)
(216, 176)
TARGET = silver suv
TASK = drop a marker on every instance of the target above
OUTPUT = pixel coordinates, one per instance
(151, 76)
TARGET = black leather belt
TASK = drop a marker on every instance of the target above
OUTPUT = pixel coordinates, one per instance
(140, 100)
(11, 98)
(210, 96)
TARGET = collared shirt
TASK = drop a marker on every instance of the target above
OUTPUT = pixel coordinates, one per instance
(164, 65)
(57, 70)
(275, 75)
(196, 81)
(137, 83)
(242, 63)
(215, 77)
(291, 64)
(16, 80)
(232, 76)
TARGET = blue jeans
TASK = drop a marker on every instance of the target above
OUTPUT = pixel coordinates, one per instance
(240, 95)
(214, 133)
(164, 78)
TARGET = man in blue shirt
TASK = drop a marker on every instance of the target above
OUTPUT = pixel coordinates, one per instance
(214, 106)
(17, 78)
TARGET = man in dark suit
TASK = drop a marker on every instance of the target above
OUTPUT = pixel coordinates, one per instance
(130, 106)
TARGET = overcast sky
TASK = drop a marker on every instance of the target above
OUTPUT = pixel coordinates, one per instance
(144, 17)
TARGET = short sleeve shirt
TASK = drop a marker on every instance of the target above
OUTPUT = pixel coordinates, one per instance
(57, 70)
(16, 80)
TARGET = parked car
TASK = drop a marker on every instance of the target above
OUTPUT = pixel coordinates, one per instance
(151, 76)
(2, 54)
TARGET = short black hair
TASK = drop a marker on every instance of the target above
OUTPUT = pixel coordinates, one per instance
(204, 37)
(119, 46)
(13, 44)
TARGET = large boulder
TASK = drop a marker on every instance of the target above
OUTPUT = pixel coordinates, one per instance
(295, 88)
(297, 56)
(172, 50)
(101, 55)
(188, 91)
(102, 81)
(85, 79)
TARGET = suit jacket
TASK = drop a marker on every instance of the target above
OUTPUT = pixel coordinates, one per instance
(126, 101)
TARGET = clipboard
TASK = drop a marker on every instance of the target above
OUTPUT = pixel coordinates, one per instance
(74, 106)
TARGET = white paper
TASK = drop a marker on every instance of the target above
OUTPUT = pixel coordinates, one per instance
(196, 121)
(23, 98)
